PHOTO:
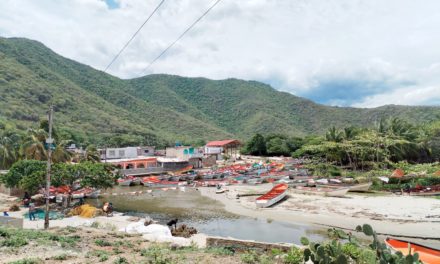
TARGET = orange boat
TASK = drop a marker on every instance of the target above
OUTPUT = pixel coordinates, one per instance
(273, 196)
(426, 254)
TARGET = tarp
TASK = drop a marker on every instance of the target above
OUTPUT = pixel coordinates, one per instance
(398, 173)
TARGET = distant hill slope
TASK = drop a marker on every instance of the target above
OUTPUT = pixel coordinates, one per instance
(94, 104)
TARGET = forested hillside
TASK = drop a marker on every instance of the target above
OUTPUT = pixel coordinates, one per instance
(94, 106)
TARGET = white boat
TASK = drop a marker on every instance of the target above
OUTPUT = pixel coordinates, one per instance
(326, 191)
(93, 194)
(136, 181)
(220, 191)
(362, 187)
(78, 194)
(272, 197)
(125, 181)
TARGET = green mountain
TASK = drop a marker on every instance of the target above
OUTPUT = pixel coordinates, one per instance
(93, 105)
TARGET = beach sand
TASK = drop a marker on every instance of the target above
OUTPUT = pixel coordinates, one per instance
(403, 216)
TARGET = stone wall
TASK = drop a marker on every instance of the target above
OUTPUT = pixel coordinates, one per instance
(11, 221)
(244, 245)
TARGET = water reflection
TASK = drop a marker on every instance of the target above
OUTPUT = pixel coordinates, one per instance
(205, 214)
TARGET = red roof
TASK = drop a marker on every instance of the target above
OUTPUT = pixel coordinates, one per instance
(221, 143)
(399, 173)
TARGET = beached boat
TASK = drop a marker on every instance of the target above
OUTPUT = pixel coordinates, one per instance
(426, 254)
(425, 191)
(218, 191)
(136, 181)
(361, 187)
(125, 181)
(276, 194)
(91, 193)
(326, 191)
(78, 194)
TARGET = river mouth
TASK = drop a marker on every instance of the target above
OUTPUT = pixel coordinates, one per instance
(206, 215)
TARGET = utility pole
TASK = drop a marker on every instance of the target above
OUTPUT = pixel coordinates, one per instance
(49, 144)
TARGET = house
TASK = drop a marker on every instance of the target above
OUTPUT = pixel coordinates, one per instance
(220, 148)
(183, 152)
(126, 153)
(134, 163)
(168, 163)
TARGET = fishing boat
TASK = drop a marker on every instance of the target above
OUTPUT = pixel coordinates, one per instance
(135, 180)
(78, 194)
(218, 191)
(125, 181)
(276, 194)
(426, 254)
(425, 191)
(361, 187)
(91, 193)
(326, 191)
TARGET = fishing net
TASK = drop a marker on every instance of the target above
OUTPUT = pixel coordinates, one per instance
(85, 210)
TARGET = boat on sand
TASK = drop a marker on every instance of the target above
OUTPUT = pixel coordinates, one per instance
(276, 194)
(326, 191)
(426, 254)
(360, 187)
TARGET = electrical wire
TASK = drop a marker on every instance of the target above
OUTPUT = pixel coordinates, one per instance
(181, 36)
(134, 35)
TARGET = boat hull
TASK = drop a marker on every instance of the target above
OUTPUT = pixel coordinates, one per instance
(332, 192)
(272, 197)
(426, 254)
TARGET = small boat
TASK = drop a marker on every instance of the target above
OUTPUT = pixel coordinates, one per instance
(272, 197)
(326, 191)
(135, 181)
(78, 194)
(426, 254)
(125, 181)
(92, 193)
(425, 191)
(361, 187)
(220, 191)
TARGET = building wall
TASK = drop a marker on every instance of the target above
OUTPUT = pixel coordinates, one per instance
(146, 151)
(213, 150)
(121, 153)
(183, 153)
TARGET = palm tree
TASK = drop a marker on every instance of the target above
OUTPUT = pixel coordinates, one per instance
(33, 145)
(60, 154)
(333, 134)
(8, 149)
(92, 154)
(349, 133)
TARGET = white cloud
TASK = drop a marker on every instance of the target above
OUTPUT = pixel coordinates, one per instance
(296, 44)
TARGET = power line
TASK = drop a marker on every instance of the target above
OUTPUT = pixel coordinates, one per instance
(181, 35)
(134, 35)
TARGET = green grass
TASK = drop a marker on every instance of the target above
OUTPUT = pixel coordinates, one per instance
(10, 237)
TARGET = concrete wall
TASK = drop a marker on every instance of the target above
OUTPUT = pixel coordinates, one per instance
(244, 245)
(11, 221)
(11, 191)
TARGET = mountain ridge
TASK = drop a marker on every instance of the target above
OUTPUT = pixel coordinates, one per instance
(94, 105)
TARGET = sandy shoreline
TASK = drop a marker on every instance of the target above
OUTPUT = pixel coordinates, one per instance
(392, 215)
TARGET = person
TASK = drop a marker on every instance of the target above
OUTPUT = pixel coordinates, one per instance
(108, 208)
(26, 199)
(32, 211)
(5, 213)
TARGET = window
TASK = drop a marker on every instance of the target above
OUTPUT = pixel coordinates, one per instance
(146, 151)
(121, 153)
(111, 153)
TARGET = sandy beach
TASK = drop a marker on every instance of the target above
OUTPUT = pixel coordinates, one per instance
(404, 216)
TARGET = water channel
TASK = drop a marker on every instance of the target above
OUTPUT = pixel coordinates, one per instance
(205, 214)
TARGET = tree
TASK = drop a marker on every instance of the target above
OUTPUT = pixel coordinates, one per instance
(8, 149)
(92, 154)
(25, 174)
(333, 134)
(33, 145)
(256, 146)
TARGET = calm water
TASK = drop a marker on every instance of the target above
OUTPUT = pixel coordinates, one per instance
(207, 215)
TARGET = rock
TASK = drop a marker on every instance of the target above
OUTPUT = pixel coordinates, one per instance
(14, 208)
(133, 219)
(175, 246)
(184, 231)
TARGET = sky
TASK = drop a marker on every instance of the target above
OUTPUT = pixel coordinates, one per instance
(360, 53)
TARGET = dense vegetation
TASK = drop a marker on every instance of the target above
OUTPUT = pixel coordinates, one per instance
(94, 107)
(389, 141)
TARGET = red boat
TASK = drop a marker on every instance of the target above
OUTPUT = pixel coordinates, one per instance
(426, 254)
(273, 196)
